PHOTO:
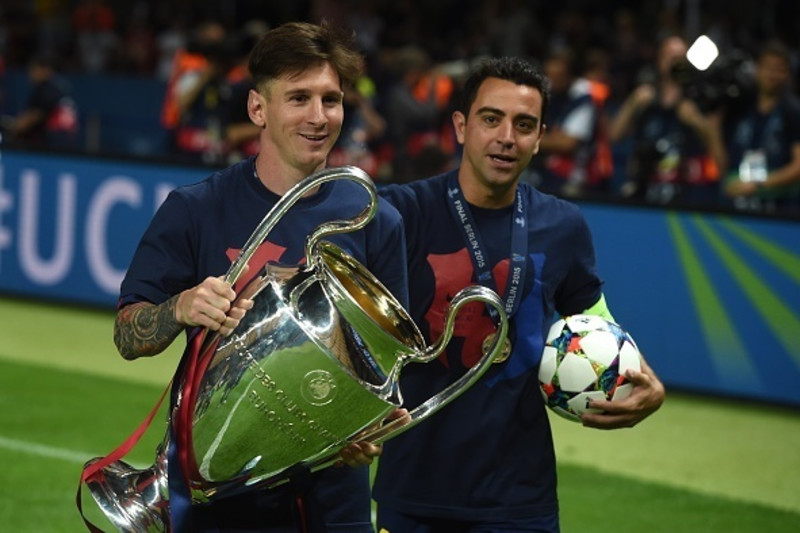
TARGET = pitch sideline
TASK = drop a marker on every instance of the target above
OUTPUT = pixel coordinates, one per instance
(42, 450)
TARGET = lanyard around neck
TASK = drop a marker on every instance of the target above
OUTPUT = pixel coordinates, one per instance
(459, 209)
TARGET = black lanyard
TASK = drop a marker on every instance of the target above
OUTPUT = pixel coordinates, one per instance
(459, 208)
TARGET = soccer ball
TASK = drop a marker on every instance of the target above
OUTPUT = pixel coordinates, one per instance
(585, 357)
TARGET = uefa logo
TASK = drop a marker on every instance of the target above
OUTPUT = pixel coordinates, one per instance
(318, 387)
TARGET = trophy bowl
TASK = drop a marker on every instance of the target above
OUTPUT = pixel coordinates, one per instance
(310, 366)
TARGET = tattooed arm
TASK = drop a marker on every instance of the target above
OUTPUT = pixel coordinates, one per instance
(145, 329)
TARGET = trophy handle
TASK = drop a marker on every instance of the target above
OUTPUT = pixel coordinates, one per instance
(451, 392)
(390, 429)
(290, 198)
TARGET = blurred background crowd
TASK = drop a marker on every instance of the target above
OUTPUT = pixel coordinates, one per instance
(631, 118)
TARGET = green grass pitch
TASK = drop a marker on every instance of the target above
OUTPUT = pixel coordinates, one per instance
(697, 465)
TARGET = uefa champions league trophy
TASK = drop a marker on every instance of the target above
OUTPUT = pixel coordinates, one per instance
(312, 367)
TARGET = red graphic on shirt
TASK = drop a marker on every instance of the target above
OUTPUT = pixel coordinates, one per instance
(452, 273)
(266, 253)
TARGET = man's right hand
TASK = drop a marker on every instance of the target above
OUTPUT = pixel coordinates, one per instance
(211, 305)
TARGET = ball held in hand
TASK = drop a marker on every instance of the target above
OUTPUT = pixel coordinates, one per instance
(586, 357)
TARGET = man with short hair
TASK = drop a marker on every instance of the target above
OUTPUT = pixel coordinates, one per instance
(175, 281)
(487, 463)
(762, 139)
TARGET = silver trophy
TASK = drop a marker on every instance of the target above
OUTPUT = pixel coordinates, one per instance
(313, 367)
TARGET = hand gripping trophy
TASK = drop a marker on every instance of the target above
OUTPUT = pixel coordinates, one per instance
(312, 367)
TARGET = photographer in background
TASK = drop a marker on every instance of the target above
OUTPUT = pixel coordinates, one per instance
(678, 151)
(762, 138)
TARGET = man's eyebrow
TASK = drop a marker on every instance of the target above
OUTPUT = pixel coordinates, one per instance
(487, 109)
(306, 90)
(495, 111)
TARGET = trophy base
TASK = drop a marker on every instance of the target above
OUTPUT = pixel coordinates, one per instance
(133, 500)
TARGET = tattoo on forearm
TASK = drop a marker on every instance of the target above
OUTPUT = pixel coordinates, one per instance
(146, 329)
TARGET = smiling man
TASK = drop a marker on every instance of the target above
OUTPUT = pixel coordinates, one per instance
(487, 465)
(175, 280)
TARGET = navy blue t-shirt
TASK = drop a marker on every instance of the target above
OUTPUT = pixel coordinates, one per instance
(199, 229)
(198, 232)
(489, 454)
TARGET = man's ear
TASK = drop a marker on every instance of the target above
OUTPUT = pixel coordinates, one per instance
(256, 108)
(459, 124)
(542, 131)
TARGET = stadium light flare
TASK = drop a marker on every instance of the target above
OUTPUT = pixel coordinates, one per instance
(702, 53)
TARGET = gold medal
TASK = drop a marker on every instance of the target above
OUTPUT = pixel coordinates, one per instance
(504, 352)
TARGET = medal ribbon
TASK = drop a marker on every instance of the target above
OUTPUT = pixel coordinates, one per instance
(459, 208)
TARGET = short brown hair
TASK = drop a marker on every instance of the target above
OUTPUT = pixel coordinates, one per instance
(298, 46)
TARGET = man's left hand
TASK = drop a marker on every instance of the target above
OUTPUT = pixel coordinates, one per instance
(364, 452)
(647, 396)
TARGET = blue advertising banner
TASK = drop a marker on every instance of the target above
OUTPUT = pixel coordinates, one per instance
(69, 226)
(712, 300)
